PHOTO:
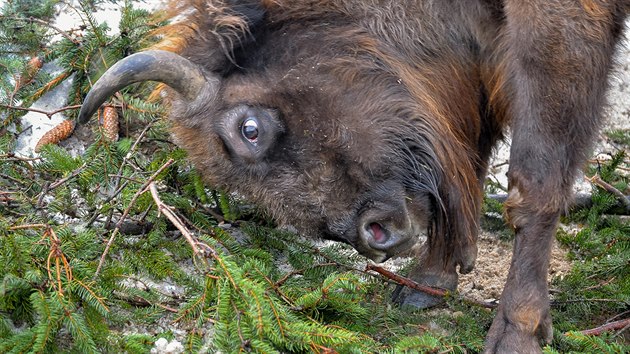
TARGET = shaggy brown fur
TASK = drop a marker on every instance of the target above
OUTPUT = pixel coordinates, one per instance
(371, 122)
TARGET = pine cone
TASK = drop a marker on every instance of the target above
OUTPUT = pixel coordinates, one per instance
(110, 123)
(60, 132)
(30, 71)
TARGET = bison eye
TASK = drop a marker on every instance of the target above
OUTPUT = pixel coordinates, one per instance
(249, 132)
(249, 129)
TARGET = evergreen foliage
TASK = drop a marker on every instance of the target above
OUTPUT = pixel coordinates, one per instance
(89, 265)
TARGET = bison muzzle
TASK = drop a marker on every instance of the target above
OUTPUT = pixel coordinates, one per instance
(372, 122)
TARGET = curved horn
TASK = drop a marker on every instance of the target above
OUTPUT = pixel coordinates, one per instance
(179, 73)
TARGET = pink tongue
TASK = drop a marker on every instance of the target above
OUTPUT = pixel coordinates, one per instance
(377, 232)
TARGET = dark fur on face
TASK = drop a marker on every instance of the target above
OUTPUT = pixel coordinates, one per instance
(371, 122)
(356, 117)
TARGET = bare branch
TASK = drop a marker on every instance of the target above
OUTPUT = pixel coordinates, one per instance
(423, 288)
(47, 113)
(612, 326)
(166, 210)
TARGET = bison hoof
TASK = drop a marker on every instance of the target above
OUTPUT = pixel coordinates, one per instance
(404, 296)
(507, 337)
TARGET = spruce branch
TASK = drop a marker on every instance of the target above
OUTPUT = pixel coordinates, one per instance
(597, 180)
(587, 300)
(581, 200)
(43, 23)
(99, 299)
(276, 287)
(72, 175)
(130, 153)
(288, 276)
(50, 85)
(140, 191)
(118, 188)
(198, 302)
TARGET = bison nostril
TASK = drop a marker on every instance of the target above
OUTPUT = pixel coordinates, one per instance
(379, 234)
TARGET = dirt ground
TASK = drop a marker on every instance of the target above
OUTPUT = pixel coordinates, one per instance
(486, 281)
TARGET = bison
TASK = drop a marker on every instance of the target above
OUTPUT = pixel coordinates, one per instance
(371, 122)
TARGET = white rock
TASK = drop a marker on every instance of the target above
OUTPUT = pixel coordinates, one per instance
(174, 347)
(159, 346)
(162, 346)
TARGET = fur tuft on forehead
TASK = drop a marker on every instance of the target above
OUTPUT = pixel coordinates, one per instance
(202, 26)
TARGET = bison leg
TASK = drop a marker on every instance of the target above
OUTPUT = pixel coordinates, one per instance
(558, 54)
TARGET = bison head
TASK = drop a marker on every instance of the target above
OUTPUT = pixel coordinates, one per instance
(311, 114)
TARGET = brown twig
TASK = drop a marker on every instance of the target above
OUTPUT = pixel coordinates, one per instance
(29, 226)
(601, 284)
(142, 302)
(166, 210)
(67, 178)
(60, 260)
(126, 213)
(218, 217)
(406, 281)
(42, 194)
(49, 114)
(50, 186)
(12, 157)
(612, 326)
(207, 250)
(149, 288)
(5, 197)
(12, 179)
(423, 288)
